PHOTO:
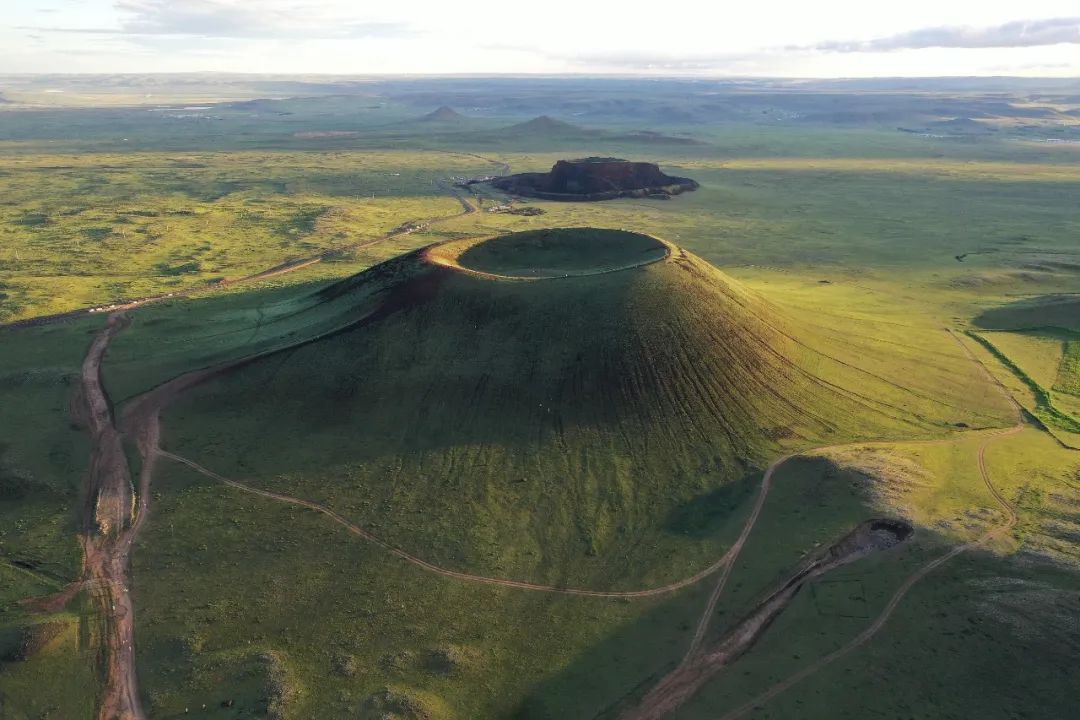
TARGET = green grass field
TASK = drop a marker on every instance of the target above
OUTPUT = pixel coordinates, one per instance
(606, 431)
(93, 229)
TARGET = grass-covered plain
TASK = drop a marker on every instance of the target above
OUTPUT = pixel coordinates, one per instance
(1009, 610)
(43, 459)
(86, 230)
(608, 432)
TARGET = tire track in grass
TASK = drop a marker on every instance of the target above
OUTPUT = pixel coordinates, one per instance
(671, 691)
(436, 569)
(866, 635)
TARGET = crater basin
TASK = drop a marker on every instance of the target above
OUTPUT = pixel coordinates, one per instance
(558, 252)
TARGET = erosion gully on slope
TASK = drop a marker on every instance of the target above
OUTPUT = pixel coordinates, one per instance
(866, 635)
(675, 689)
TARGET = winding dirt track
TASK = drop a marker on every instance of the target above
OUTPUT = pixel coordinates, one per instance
(107, 540)
(714, 597)
(430, 567)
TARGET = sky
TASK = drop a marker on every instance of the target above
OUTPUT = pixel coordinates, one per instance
(788, 38)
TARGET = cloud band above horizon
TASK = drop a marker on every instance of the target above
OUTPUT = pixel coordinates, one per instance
(770, 38)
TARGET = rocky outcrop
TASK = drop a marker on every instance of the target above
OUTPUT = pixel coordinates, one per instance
(595, 178)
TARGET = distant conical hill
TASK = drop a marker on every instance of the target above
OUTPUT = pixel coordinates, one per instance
(443, 114)
(546, 125)
(543, 405)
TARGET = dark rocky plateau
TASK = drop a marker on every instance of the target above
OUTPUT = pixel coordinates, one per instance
(595, 178)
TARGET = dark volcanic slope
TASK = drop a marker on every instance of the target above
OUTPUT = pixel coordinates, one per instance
(596, 179)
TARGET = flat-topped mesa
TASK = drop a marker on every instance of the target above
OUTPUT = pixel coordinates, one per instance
(596, 178)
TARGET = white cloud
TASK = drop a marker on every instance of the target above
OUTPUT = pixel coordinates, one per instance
(245, 19)
(767, 37)
(1019, 33)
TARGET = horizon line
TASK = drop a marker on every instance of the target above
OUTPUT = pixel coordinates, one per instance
(497, 75)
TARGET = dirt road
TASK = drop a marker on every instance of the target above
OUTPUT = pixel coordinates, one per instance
(111, 521)
(114, 513)
(714, 597)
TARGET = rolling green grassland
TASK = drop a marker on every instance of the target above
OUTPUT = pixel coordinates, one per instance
(43, 458)
(608, 430)
(1009, 614)
(94, 229)
(1068, 378)
(1040, 339)
(44, 455)
(1040, 402)
(893, 228)
(1040, 356)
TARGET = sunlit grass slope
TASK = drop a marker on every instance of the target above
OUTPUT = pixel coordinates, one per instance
(1037, 341)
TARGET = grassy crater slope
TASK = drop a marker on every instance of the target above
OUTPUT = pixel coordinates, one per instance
(604, 428)
(537, 429)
